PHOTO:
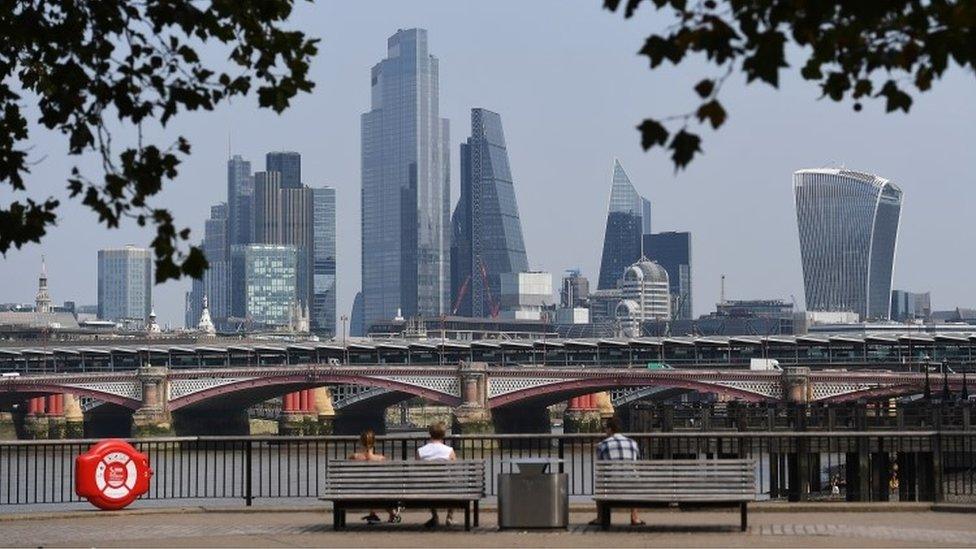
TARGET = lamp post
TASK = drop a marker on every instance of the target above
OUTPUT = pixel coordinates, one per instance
(345, 350)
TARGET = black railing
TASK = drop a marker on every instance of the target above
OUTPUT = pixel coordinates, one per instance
(853, 466)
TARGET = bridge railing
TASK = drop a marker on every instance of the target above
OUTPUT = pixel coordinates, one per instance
(853, 466)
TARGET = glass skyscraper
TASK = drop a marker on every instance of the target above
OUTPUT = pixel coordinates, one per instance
(487, 232)
(288, 164)
(848, 225)
(125, 285)
(240, 226)
(322, 309)
(405, 185)
(628, 219)
(270, 283)
(672, 250)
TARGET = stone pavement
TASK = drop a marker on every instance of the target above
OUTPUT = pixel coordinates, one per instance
(197, 527)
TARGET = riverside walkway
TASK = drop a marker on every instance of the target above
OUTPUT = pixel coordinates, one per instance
(773, 525)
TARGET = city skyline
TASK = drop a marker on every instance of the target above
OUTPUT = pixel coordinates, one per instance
(754, 174)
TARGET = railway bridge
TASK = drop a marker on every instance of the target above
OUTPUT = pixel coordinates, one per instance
(481, 395)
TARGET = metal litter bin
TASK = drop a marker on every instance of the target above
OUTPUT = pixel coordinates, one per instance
(533, 497)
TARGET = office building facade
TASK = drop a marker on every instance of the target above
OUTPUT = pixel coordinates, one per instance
(405, 186)
(240, 226)
(322, 306)
(848, 226)
(288, 164)
(487, 233)
(906, 306)
(270, 284)
(575, 290)
(672, 250)
(628, 219)
(524, 295)
(125, 285)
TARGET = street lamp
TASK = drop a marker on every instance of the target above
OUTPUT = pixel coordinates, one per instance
(345, 354)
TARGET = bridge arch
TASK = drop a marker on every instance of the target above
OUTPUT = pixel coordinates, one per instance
(42, 389)
(262, 388)
(563, 390)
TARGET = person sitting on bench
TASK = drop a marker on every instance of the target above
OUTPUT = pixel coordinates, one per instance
(436, 450)
(367, 441)
(618, 447)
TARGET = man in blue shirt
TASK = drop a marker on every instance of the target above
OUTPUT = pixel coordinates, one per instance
(618, 447)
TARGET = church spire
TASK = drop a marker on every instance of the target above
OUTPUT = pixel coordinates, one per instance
(42, 302)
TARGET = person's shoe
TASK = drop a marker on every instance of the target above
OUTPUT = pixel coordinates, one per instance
(396, 519)
(372, 518)
(449, 521)
(432, 523)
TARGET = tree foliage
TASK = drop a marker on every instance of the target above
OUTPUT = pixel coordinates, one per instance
(853, 49)
(93, 64)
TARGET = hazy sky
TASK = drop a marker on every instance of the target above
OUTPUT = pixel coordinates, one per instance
(570, 88)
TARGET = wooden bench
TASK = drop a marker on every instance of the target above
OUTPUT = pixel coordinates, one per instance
(682, 483)
(414, 484)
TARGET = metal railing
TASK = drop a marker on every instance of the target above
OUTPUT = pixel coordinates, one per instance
(853, 466)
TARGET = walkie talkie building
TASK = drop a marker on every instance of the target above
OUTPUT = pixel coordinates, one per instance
(848, 224)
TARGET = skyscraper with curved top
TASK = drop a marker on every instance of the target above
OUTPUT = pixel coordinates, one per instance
(628, 220)
(848, 224)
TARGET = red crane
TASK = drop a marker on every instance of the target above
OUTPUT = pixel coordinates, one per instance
(493, 306)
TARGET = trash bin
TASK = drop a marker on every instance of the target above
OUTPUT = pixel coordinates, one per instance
(533, 497)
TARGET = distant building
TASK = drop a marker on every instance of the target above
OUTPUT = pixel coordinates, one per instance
(487, 232)
(848, 224)
(405, 186)
(524, 295)
(357, 326)
(270, 284)
(575, 291)
(288, 164)
(125, 286)
(22, 322)
(240, 228)
(672, 250)
(572, 315)
(462, 328)
(644, 295)
(322, 306)
(907, 306)
(42, 301)
(628, 219)
(603, 305)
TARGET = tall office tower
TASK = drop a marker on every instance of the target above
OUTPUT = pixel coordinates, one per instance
(357, 326)
(240, 225)
(672, 250)
(322, 309)
(907, 306)
(288, 164)
(575, 291)
(628, 219)
(216, 280)
(305, 218)
(487, 232)
(125, 285)
(270, 282)
(848, 224)
(406, 186)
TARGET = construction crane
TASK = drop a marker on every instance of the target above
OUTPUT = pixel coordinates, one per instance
(493, 306)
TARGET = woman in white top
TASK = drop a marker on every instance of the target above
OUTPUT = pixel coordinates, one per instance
(436, 450)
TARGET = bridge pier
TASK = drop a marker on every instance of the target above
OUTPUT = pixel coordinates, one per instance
(8, 429)
(473, 416)
(36, 422)
(583, 415)
(74, 418)
(153, 417)
(797, 388)
(54, 405)
(299, 414)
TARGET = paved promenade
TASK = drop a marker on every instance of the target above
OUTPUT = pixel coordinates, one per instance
(198, 527)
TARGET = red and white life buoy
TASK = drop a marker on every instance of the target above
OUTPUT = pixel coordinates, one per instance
(112, 474)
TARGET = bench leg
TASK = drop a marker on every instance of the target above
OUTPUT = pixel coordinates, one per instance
(467, 516)
(476, 513)
(604, 510)
(335, 518)
(743, 516)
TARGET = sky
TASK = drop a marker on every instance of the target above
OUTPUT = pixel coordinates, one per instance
(570, 88)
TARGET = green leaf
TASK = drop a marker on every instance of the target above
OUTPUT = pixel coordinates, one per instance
(652, 133)
(705, 88)
(713, 112)
(684, 146)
